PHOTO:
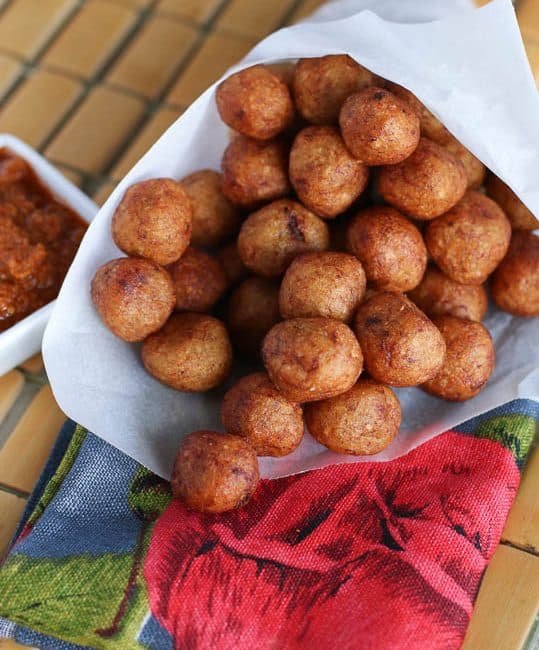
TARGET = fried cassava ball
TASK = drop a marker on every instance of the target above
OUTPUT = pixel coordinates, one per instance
(425, 185)
(153, 220)
(199, 280)
(470, 240)
(254, 409)
(474, 168)
(438, 295)
(234, 269)
(255, 171)
(400, 344)
(431, 127)
(326, 177)
(378, 128)
(192, 353)
(389, 246)
(214, 472)
(362, 421)
(518, 214)
(515, 283)
(309, 359)
(133, 297)
(321, 84)
(215, 219)
(273, 236)
(255, 102)
(253, 309)
(469, 359)
(327, 284)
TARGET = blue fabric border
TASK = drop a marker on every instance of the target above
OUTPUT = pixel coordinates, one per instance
(55, 458)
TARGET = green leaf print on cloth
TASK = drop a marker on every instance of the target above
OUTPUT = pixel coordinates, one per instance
(75, 599)
(148, 495)
(59, 475)
(513, 431)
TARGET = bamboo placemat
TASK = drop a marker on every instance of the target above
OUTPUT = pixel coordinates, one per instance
(92, 84)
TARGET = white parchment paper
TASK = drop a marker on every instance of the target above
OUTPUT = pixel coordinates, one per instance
(470, 69)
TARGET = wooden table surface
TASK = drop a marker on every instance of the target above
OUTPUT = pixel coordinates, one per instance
(92, 84)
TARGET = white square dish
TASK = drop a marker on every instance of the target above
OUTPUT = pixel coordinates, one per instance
(23, 339)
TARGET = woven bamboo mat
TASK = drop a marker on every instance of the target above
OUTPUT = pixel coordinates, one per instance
(92, 84)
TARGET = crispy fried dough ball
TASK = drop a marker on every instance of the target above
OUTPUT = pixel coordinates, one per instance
(255, 102)
(327, 284)
(214, 472)
(232, 265)
(133, 297)
(378, 127)
(312, 358)
(400, 344)
(389, 246)
(273, 236)
(322, 84)
(431, 127)
(254, 171)
(215, 219)
(254, 408)
(153, 220)
(518, 214)
(192, 353)
(253, 309)
(474, 168)
(438, 295)
(199, 280)
(470, 240)
(426, 184)
(469, 359)
(362, 421)
(326, 177)
(515, 283)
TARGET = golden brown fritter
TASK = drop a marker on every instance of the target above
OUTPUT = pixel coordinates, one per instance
(234, 269)
(214, 472)
(515, 283)
(474, 168)
(192, 353)
(362, 421)
(327, 284)
(401, 346)
(255, 102)
(469, 359)
(255, 409)
(438, 295)
(153, 220)
(431, 127)
(215, 219)
(253, 309)
(321, 84)
(425, 185)
(199, 280)
(255, 171)
(518, 214)
(309, 359)
(470, 240)
(389, 246)
(326, 177)
(133, 297)
(378, 128)
(273, 236)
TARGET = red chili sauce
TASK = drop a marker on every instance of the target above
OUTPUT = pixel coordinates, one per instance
(38, 240)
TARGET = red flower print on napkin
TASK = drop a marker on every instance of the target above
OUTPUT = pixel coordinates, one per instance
(374, 555)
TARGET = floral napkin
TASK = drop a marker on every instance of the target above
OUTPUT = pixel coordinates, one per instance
(371, 556)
